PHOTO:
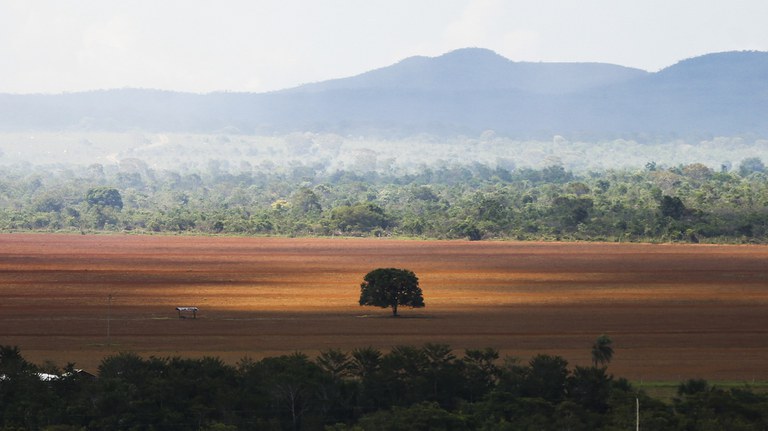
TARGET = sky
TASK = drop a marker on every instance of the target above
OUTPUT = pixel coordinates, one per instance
(201, 46)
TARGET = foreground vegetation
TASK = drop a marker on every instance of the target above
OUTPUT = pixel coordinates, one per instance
(408, 388)
(689, 203)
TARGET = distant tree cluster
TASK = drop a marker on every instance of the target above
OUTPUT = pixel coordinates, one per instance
(687, 203)
(406, 388)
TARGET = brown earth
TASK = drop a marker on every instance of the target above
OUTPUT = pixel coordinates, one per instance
(673, 311)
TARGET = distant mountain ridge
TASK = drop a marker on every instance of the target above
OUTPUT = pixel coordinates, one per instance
(476, 69)
(465, 91)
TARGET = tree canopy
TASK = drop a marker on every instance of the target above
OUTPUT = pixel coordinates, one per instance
(391, 287)
(425, 387)
(104, 196)
(690, 203)
(602, 350)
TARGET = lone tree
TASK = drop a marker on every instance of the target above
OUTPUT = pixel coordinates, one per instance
(391, 287)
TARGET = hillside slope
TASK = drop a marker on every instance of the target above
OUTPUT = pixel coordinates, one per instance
(464, 91)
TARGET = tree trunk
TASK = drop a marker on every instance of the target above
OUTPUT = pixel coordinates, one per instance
(394, 309)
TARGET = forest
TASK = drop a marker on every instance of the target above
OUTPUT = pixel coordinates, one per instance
(473, 200)
(407, 388)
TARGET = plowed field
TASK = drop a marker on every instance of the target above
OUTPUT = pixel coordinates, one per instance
(673, 311)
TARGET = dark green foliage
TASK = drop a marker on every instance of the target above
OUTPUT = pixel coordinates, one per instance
(391, 287)
(294, 389)
(546, 378)
(571, 210)
(365, 362)
(50, 203)
(468, 229)
(507, 411)
(335, 363)
(602, 350)
(481, 371)
(21, 391)
(104, 197)
(424, 193)
(590, 387)
(424, 416)
(707, 408)
(672, 207)
(408, 388)
(363, 217)
(692, 387)
(306, 201)
(168, 393)
(104, 205)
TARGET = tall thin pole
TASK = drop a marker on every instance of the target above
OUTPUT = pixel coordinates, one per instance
(637, 413)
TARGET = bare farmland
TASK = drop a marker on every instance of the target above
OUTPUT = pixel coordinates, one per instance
(673, 311)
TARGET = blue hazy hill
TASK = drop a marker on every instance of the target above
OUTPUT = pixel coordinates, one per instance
(464, 91)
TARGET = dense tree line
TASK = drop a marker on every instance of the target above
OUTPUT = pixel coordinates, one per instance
(689, 203)
(407, 388)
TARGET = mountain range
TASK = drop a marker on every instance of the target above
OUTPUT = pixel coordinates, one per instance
(466, 91)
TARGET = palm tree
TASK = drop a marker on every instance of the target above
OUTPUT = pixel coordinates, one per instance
(602, 350)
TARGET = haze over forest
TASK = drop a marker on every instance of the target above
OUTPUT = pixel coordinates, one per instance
(708, 109)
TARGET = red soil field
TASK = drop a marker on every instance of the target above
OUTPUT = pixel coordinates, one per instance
(673, 311)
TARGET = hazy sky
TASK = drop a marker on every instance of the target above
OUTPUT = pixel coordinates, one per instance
(262, 45)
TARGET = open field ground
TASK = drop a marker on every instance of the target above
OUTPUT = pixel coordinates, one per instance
(673, 311)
